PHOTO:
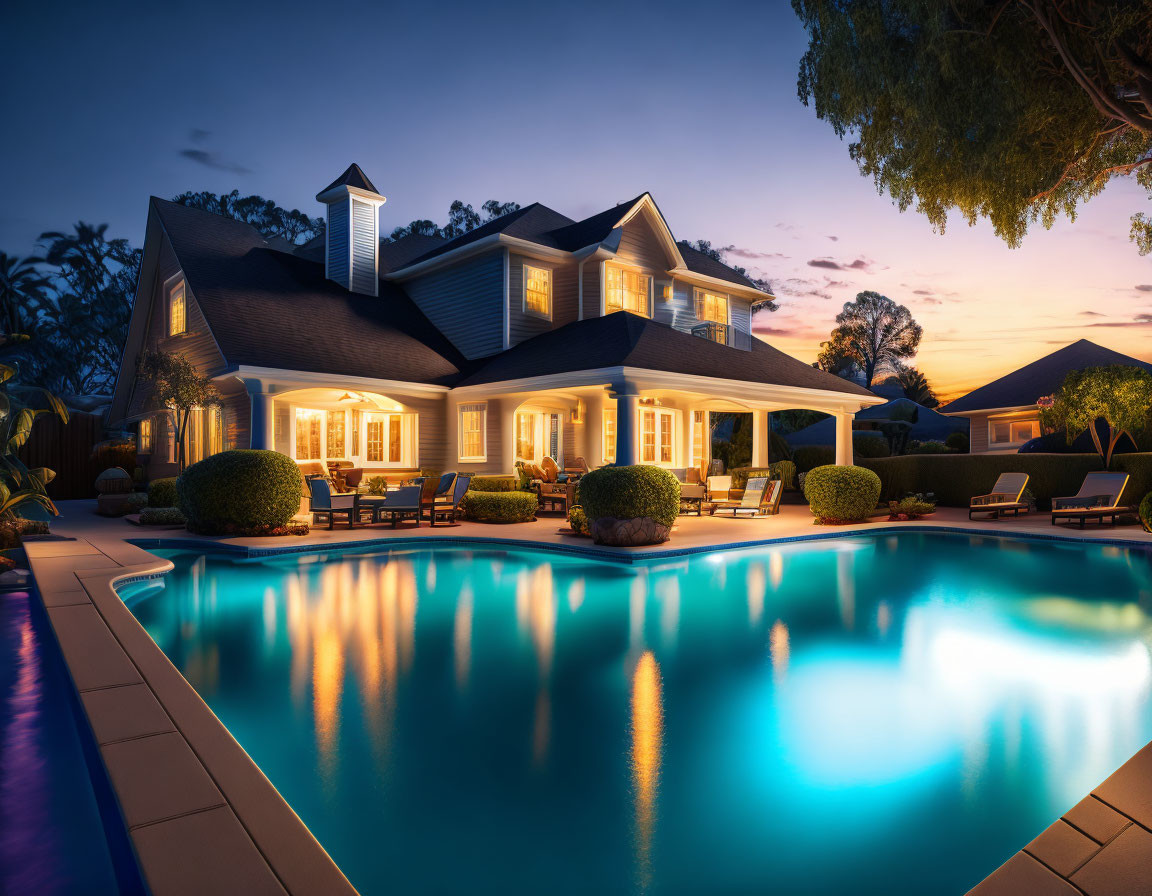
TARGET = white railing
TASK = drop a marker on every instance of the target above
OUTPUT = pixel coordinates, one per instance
(724, 334)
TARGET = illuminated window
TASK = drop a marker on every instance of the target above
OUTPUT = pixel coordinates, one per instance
(1012, 432)
(526, 436)
(626, 290)
(387, 437)
(655, 437)
(538, 291)
(394, 440)
(144, 437)
(177, 316)
(473, 422)
(194, 436)
(215, 429)
(375, 440)
(711, 306)
(307, 434)
(698, 428)
(665, 438)
(609, 437)
(648, 437)
(336, 425)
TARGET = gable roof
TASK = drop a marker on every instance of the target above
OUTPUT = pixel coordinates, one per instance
(700, 263)
(623, 339)
(268, 308)
(1042, 377)
(353, 176)
(533, 222)
(595, 228)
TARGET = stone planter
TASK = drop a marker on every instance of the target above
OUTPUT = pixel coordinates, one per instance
(630, 533)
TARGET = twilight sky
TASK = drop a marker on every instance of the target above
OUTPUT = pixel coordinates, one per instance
(577, 107)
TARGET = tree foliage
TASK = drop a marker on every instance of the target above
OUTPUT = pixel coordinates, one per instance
(873, 335)
(178, 388)
(915, 386)
(462, 219)
(1119, 394)
(263, 214)
(1011, 110)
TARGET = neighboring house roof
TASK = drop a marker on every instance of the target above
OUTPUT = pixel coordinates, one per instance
(929, 425)
(268, 308)
(1022, 387)
(354, 176)
(623, 339)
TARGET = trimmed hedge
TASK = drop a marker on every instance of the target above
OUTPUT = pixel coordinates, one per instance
(240, 491)
(782, 469)
(629, 492)
(870, 445)
(809, 457)
(492, 484)
(161, 516)
(955, 478)
(162, 492)
(499, 506)
(1146, 512)
(841, 494)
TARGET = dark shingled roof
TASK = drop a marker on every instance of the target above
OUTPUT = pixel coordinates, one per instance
(707, 265)
(533, 223)
(594, 229)
(268, 308)
(1043, 377)
(395, 254)
(623, 339)
(353, 177)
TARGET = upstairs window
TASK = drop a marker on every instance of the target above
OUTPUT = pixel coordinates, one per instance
(711, 306)
(177, 314)
(144, 437)
(538, 291)
(626, 290)
(473, 421)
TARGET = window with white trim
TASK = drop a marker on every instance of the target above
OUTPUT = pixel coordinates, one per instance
(538, 291)
(389, 438)
(699, 427)
(308, 434)
(215, 429)
(609, 446)
(626, 290)
(194, 436)
(655, 436)
(473, 432)
(526, 435)
(144, 436)
(1012, 432)
(177, 309)
(336, 448)
(711, 306)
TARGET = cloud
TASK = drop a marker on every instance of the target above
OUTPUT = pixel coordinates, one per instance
(751, 254)
(1091, 314)
(1144, 319)
(1144, 287)
(836, 284)
(206, 157)
(932, 301)
(860, 264)
(921, 292)
(834, 239)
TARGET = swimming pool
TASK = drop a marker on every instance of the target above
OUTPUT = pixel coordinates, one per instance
(889, 714)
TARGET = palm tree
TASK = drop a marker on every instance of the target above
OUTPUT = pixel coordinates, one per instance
(916, 387)
(23, 289)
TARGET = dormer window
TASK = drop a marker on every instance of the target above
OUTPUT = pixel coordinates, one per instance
(177, 311)
(626, 290)
(538, 291)
(711, 306)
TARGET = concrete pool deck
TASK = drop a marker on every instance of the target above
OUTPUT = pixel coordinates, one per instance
(203, 818)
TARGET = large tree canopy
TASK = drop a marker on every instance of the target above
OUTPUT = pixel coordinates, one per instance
(461, 220)
(263, 214)
(873, 335)
(1012, 110)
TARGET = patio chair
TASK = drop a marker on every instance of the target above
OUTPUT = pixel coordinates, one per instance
(398, 504)
(323, 503)
(353, 476)
(1099, 497)
(448, 509)
(1004, 497)
(550, 469)
(577, 468)
(555, 495)
(692, 491)
(753, 499)
(718, 488)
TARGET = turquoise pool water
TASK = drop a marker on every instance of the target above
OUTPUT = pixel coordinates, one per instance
(881, 715)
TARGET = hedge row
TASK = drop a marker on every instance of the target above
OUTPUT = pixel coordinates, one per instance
(955, 478)
(499, 506)
(780, 469)
(492, 484)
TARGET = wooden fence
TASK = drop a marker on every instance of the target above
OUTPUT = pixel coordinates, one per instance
(67, 449)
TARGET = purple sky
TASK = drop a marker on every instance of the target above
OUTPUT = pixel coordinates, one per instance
(575, 106)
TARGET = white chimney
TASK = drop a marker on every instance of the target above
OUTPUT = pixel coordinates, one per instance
(352, 243)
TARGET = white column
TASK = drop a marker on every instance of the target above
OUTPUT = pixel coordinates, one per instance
(627, 406)
(593, 450)
(506, 409)
(760, 439)
(262, 433)
(844, 438)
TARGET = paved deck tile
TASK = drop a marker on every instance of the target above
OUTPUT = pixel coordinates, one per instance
(1122, 868)
(94, 657)
(122, 713)
(66, 598)
(205, 853)
(59, 573)
(1022, 875)
(54, 546)
(1129, 788)
(158, 777)
(1098, 821)
(1062, 848)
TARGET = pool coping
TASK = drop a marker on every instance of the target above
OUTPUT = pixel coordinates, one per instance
(275, 852)
(200, 814)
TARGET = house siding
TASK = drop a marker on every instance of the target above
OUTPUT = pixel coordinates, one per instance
(364, 248)
(338, 241)
(522, 325)
(978, 433)
(591, 287)
(639, 245)
(466, 303)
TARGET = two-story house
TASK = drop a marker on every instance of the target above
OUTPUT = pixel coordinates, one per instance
(531, 335)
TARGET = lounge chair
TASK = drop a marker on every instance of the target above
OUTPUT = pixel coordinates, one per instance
(1005, 497)
(398, 504)
(1099, 497)
(759, 489)
(448, 509)
(323, 503)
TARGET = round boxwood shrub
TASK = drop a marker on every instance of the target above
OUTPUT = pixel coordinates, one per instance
(841, 494)
(492, 484)
(239, 492)
(162, 492)
(626, 493)
(499, 507)
(1146, 512)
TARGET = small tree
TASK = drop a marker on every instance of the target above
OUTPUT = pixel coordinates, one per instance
(177, 387)
(1120, 395)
